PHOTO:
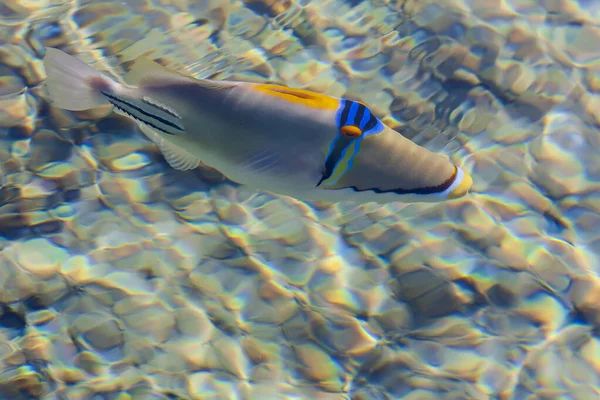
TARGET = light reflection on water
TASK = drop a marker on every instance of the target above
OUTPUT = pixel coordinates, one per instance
(123, 278)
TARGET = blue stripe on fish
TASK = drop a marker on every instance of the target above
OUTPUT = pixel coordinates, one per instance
(365, 118)
(352, 113)
(357, 114)
(362, 111)
(349, 113)
(336, 153)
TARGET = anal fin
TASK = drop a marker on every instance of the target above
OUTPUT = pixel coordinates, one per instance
(177, 157)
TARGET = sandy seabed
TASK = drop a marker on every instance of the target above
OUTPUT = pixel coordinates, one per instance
(122, 278)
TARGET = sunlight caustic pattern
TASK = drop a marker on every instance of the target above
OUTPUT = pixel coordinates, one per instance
(125, 279)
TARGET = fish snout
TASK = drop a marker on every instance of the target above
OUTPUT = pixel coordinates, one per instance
(462, 186)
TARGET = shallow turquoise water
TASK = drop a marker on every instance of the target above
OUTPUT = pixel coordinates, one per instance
(125, 279)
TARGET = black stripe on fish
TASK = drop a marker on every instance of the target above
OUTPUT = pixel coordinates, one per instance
(345, 111)
(421, 191)
(162, 107)
(336, 154)
(371, 123)
(341, 142)
(150, 124)
(362, 110)
(116, 101)
(359, 115)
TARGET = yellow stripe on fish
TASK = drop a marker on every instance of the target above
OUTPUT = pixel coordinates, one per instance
(299, 96)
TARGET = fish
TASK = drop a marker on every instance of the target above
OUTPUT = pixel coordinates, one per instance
(268, 137)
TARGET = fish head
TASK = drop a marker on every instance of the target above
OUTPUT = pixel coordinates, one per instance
(370, 161)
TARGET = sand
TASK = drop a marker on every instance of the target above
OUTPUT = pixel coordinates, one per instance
(122, 278)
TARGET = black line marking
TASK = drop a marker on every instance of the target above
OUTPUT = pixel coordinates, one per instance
(341, 143)
(420, 191)
(371, 123)
(345, 112)
(359, 114)
(138, 119)
(141, 111)
(162, 108)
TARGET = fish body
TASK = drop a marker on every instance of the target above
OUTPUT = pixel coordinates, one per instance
(269, 137)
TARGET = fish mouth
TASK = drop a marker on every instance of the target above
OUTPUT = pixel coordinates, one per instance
(463, 186)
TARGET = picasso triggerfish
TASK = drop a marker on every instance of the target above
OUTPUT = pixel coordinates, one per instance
(268, 137)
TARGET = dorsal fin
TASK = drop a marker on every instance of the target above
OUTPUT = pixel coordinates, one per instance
(146, 72)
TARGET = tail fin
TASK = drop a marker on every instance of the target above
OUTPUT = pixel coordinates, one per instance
(72, 84)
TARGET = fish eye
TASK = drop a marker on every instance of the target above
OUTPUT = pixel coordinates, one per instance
(351, 131)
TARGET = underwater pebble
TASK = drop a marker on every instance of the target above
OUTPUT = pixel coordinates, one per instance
(40, 257)
(318, 366)
(144, 317)
(98, 331)
(130, 162)
(427, 295)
